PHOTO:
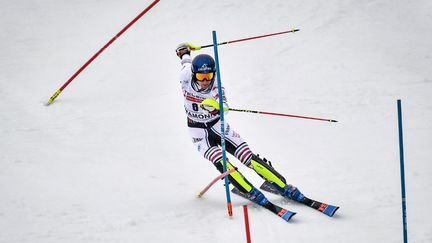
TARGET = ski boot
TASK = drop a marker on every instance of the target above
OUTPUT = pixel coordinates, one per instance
(257, 197)
(290, 192)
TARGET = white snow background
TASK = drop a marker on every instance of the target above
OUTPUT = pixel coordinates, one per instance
(111, 160)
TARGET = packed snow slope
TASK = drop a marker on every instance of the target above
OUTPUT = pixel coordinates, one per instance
(111, 160)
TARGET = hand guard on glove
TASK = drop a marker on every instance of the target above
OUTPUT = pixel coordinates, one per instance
(212, 106)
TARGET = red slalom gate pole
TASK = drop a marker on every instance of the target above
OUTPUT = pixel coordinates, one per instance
(250, 38)
(57, 93)
(246, 219)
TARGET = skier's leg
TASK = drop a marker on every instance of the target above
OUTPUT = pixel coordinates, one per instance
(267, 172)
(234, 143)
(235, 178)
(207, 142)
(236, 146)
(241, 183)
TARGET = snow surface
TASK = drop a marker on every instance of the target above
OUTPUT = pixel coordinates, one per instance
(111, 159)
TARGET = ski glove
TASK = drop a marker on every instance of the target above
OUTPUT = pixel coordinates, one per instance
(211, 106)
(186, 48)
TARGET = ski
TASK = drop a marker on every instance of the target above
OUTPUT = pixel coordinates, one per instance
(324, 208)
(279, 211)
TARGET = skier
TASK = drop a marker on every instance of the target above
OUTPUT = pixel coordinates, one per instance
(201, 104)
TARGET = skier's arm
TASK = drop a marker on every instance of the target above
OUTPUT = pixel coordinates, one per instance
(183, 52)
(184, 49)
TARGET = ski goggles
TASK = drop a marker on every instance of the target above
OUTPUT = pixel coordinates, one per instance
(204, 76)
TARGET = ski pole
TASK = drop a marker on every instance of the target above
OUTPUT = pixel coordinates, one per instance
(201, 193)
(280, 114)
(57, 93)
(250, 38)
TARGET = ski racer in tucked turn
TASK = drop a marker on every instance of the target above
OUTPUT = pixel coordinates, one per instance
(201, 104)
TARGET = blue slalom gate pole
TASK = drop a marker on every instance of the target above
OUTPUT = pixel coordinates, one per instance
(402, 171)
(222, 121)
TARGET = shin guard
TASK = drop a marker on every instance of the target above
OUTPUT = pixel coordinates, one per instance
(266, 171)
(236, 178)
(276, 180)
